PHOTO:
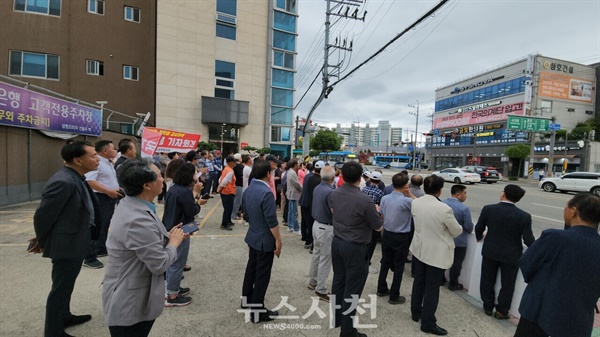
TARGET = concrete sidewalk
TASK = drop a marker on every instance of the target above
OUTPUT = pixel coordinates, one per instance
(218, 259)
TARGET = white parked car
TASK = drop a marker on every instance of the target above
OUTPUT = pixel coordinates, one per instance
(458, 176)
(573, 182)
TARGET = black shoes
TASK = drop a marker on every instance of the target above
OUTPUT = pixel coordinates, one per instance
(454, 287)
(264, 316)
(435, 330)
(415, 318)
(499, 315)
(383, 293)
(226, 228)
(488, 311)
(77, 319)
(399, 300)
(94, 264)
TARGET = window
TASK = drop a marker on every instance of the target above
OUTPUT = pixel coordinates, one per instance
(282, 78)
(284, 41)
(131, 73)
(224, 79)
(280, 134)
(47, 7)
(286, 5)
(34, 65)
(283, 59)
(285, 22)
(282, 97)
(132, 14)
(93, 67)
(226, 19)
(96, 6)
(283, 116)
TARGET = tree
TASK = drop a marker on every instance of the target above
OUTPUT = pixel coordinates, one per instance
(264, 150)
(249, 148)
(325, 141)
(204, 146)
(583, 128)
(520, 152)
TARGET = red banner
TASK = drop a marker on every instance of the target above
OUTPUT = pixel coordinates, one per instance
(162, 140)
(487, 115)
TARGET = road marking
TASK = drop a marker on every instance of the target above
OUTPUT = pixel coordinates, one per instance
(541, 217)
(547, 205)
(207, 216)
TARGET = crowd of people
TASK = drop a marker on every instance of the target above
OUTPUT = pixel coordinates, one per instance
(345, 214)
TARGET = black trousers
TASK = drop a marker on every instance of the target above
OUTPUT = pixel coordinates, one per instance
(529, 329)
(426, 292)
(350, 271)
(508, 276)
(141, 329)
(162, 194)
(257, 276)
(58, 305)
(227, 200)
(285, 210)
(306, 225)
(459, 257)
(394, 248)
(375, 237)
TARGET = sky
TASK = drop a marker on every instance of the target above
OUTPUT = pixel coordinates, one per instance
(462, 39)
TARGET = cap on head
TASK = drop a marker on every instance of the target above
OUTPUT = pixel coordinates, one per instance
(272, 158)
(375, 176)
(320, 164)
(237, 156)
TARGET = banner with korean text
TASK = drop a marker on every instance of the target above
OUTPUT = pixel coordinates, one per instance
(565, 87)
(161, 140)
(28, 109)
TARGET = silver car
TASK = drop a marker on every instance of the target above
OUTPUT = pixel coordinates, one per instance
(573, 182)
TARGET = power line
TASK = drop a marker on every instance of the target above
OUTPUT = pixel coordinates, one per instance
(430, 12)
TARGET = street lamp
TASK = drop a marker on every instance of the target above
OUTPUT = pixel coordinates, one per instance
(222, 133)
(416, 132)
(102, 103)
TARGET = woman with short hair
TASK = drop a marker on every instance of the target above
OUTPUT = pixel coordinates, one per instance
(139, 252)
(182, 203)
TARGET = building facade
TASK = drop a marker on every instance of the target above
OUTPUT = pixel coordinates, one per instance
(92, 50)
(470, 121)
(225, 69)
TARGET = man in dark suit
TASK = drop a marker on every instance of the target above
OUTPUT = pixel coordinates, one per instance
(62, 227)
(506, 226)
(263, 241)
(562, 271)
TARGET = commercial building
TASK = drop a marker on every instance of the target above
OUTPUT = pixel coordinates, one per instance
(470, 121)
(220, 68)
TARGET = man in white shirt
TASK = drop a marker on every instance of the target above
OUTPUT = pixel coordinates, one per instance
(104, 183)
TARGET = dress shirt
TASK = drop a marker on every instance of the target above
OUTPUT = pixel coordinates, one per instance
(105, 175)
(463, 216)
(322, 203)
(354, 215)
(374, 192)
(395, 208)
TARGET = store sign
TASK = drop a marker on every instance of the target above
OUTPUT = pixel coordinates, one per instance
(527, 123)
(478, 128)
(487, 115)
(476, 107)
(28, 109)
(565, 87)
(555, 66)
(475, 85)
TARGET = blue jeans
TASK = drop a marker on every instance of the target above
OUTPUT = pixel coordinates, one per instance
(175, 271)
(293, 215)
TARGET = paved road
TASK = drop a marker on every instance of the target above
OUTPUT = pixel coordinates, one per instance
(546, 209)
(218, 261)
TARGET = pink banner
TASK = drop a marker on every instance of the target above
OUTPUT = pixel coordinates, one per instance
(162, 140)
(487, 115)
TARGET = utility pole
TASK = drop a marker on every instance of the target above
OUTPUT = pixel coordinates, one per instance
(347, 9)
(431, 116)
(416, 134)
(296, 142)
